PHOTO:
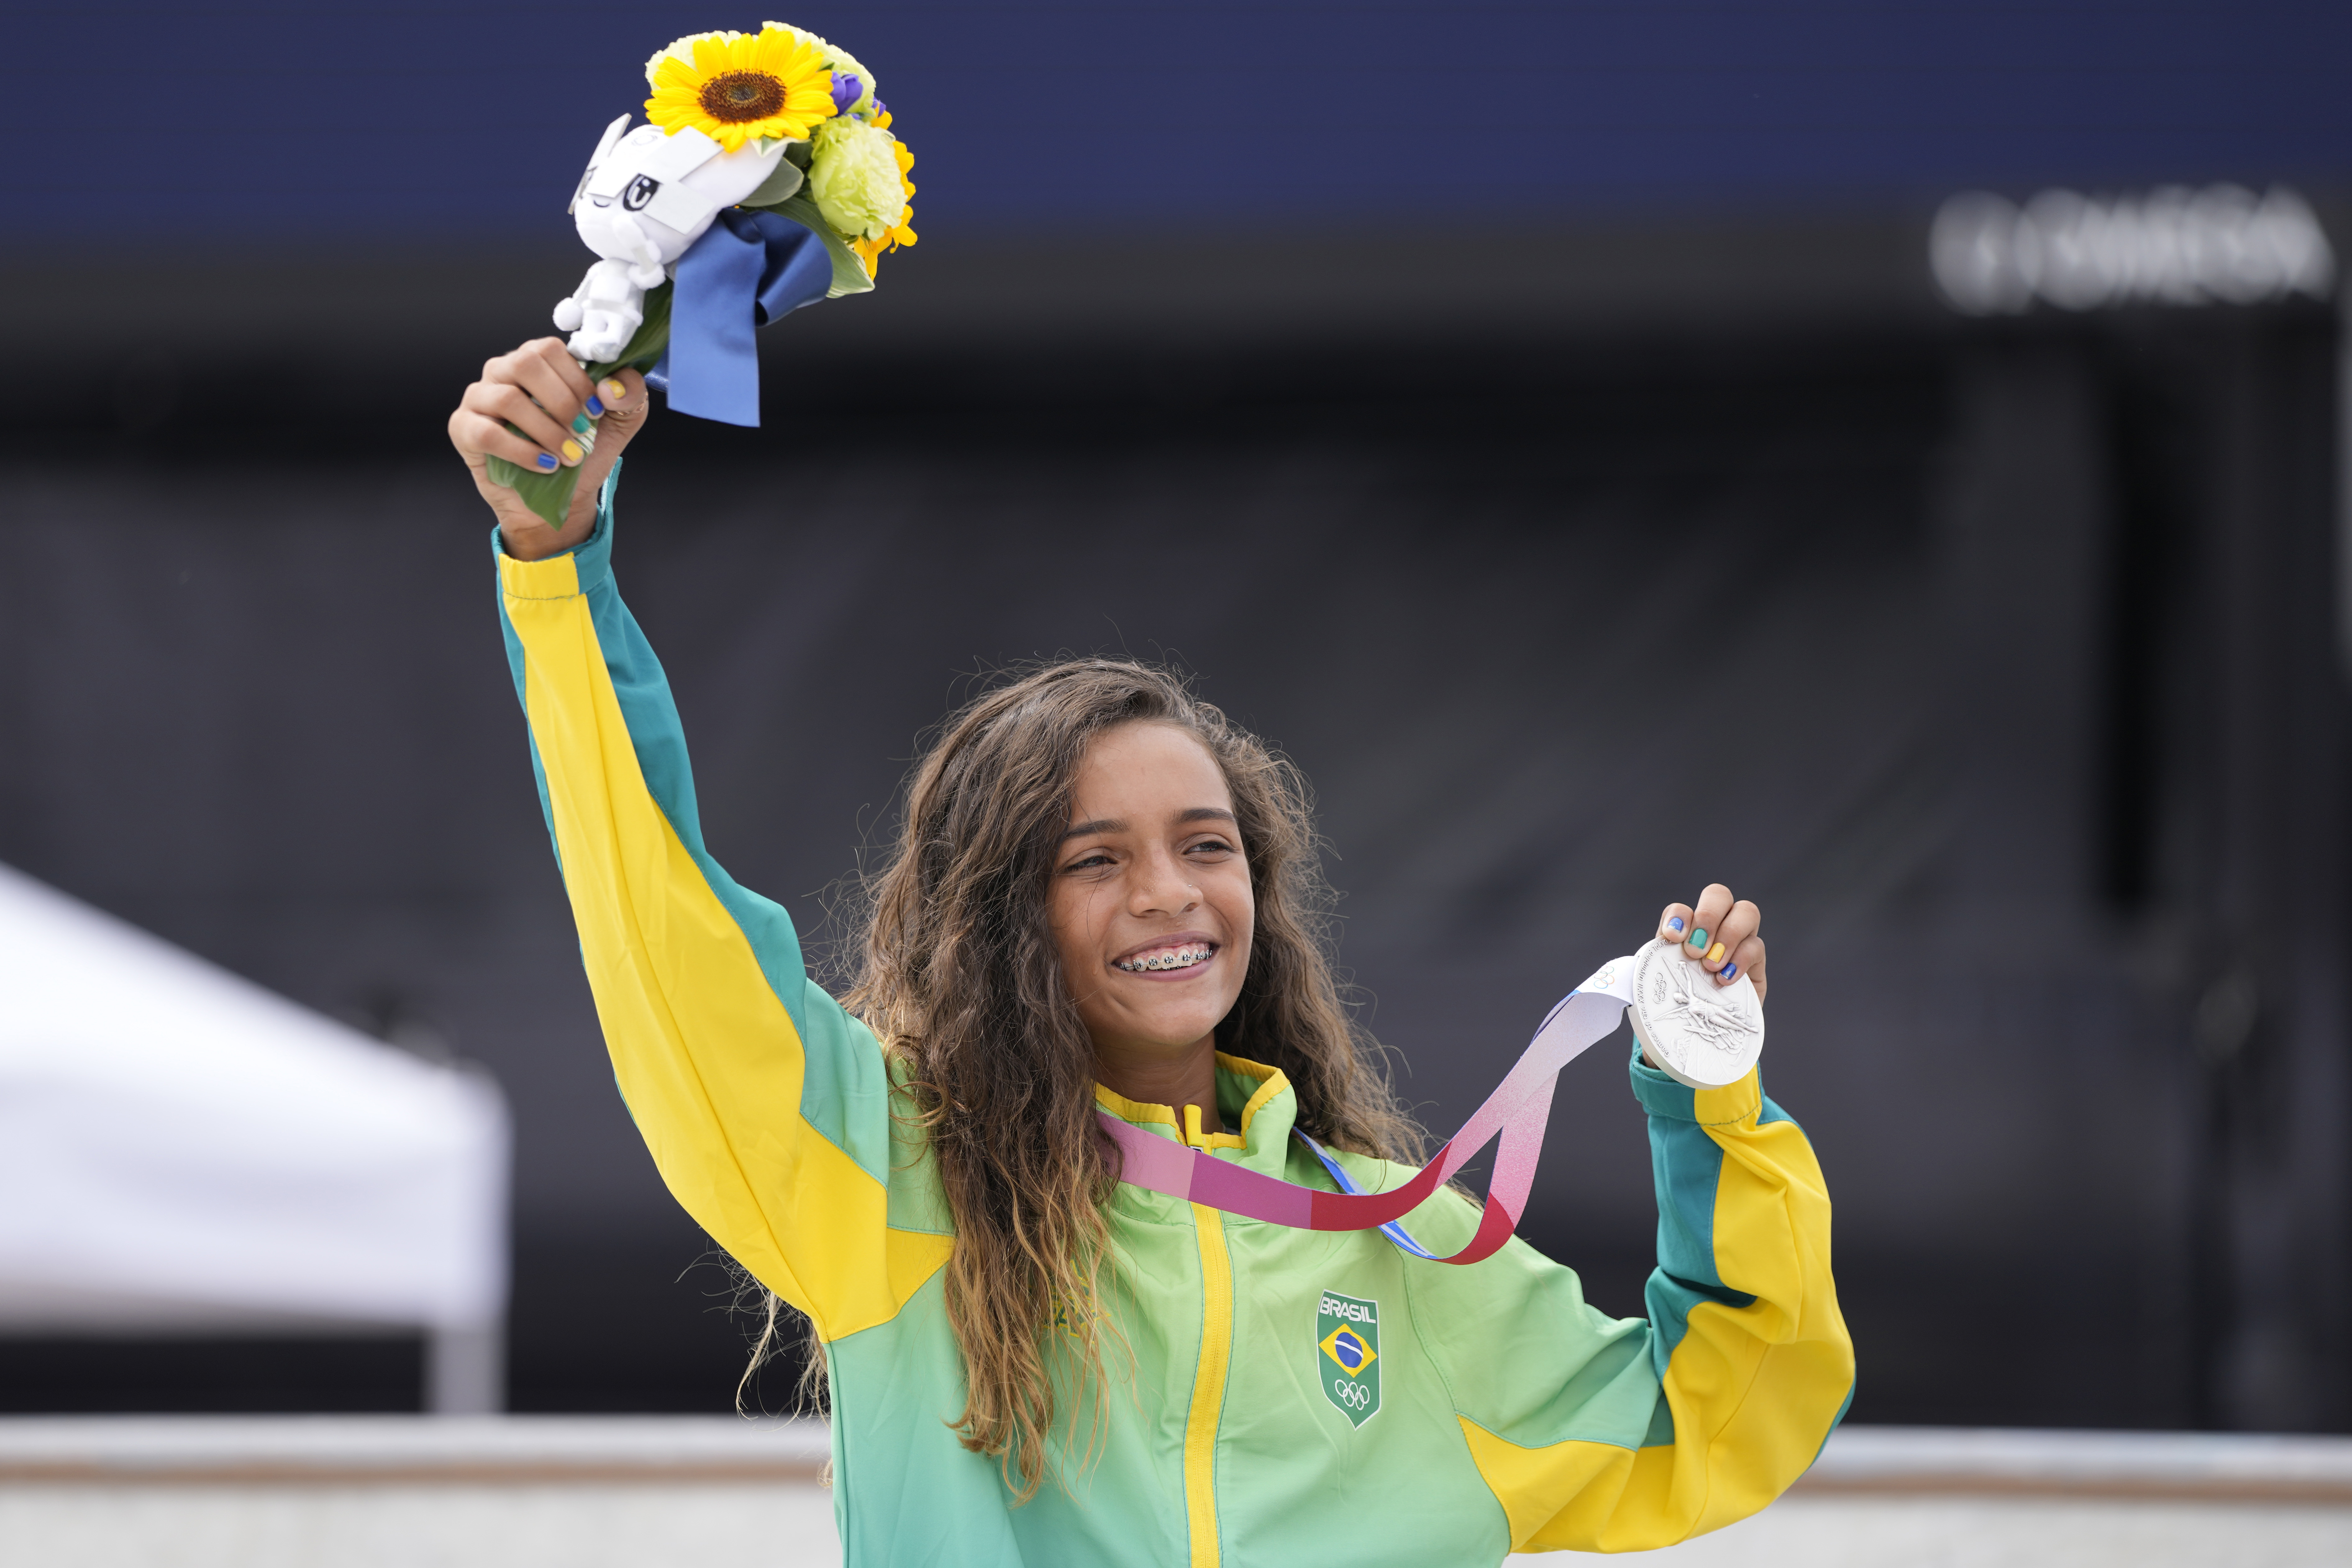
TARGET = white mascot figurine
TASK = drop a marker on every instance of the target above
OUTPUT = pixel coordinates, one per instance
(643, 198)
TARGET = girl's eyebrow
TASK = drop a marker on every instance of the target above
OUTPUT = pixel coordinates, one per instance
(1116, 825)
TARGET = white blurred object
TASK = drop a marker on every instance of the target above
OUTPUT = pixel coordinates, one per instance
(2173, 246)
(643, 198)
(391, 1491)
(589, 1492)
(182, 1151)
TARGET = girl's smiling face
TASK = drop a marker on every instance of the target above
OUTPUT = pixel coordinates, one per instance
(1151, 906)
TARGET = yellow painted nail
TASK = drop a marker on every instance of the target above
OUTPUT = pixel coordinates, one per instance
(1714, 955)
(611, 389)
(572, 452)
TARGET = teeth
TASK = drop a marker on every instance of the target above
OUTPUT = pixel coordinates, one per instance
(1182, 958)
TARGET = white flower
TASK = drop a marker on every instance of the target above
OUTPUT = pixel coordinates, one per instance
(843, 62)
(854, 177)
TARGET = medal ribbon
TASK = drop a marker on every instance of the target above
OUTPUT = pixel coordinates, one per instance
(1516, 1114)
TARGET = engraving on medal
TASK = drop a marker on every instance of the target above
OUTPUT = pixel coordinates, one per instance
(1696, 1032)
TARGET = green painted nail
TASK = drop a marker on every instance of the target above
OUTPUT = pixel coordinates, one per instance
(1699, 938)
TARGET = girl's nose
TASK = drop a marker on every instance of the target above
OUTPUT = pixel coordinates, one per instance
(1164, 887)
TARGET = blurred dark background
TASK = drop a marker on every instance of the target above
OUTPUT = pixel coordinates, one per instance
(1541, 421)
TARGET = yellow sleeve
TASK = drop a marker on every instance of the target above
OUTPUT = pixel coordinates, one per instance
(766, 1108)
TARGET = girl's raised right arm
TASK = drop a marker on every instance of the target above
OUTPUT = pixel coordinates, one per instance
(765, 1106)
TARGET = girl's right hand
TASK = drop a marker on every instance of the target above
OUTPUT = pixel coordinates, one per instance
(566, 422)
(1719, 935)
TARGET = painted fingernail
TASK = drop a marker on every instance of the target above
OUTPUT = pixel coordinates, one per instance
(584, 432)
(1714, 955)
(546, 461)
(1729, 972)
(613, 390)
(572, 451)
(595, 404)
(1674, 922)
(1698, 938)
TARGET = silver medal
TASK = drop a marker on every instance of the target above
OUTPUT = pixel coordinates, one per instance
(1696, 1032)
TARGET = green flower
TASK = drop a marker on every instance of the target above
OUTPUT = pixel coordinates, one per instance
(854, 177)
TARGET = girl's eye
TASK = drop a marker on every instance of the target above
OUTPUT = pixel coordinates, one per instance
(1088, 863)
(1211, 845)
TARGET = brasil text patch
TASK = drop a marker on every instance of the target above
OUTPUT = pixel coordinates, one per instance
(1347, 1354)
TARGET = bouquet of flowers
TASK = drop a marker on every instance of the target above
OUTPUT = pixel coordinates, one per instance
(767, 178)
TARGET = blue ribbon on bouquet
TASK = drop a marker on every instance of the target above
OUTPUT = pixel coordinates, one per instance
(750, 268)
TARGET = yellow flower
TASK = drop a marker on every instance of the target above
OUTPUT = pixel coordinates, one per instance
(870, 251)
(731, 87)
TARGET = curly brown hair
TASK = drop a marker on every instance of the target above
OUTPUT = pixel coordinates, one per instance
(959, 974)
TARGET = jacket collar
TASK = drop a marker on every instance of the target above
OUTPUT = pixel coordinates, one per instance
(1251, 1096)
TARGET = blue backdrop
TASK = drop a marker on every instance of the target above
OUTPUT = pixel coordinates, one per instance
(439, 120)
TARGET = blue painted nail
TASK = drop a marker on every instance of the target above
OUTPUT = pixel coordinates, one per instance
(546, 460)
(595, 403)
(1675, 923)
(1731, 972)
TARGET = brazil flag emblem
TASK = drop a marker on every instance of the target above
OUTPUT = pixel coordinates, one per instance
(1347, 1354)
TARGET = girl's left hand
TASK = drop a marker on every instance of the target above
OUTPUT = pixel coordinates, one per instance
(1719, 934)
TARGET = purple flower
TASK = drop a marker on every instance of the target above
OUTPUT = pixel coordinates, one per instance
(846, 90)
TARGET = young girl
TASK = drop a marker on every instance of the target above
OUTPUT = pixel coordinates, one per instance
(1106, 896)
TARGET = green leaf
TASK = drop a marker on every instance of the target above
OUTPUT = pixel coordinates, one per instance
(848, 272)
(644, 347)
(781, 185)
(548, 495)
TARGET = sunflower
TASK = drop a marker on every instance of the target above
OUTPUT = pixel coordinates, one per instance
(682, 50)
(870, 251)
(732, 87)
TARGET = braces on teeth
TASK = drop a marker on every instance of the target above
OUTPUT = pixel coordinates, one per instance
(1182, 958)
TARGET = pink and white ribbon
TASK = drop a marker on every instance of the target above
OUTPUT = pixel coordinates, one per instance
(1516, 1113)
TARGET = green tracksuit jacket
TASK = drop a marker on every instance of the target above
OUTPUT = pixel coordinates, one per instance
(1285, 1396)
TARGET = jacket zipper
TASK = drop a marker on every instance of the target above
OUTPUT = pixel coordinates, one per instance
(1208, 1381)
